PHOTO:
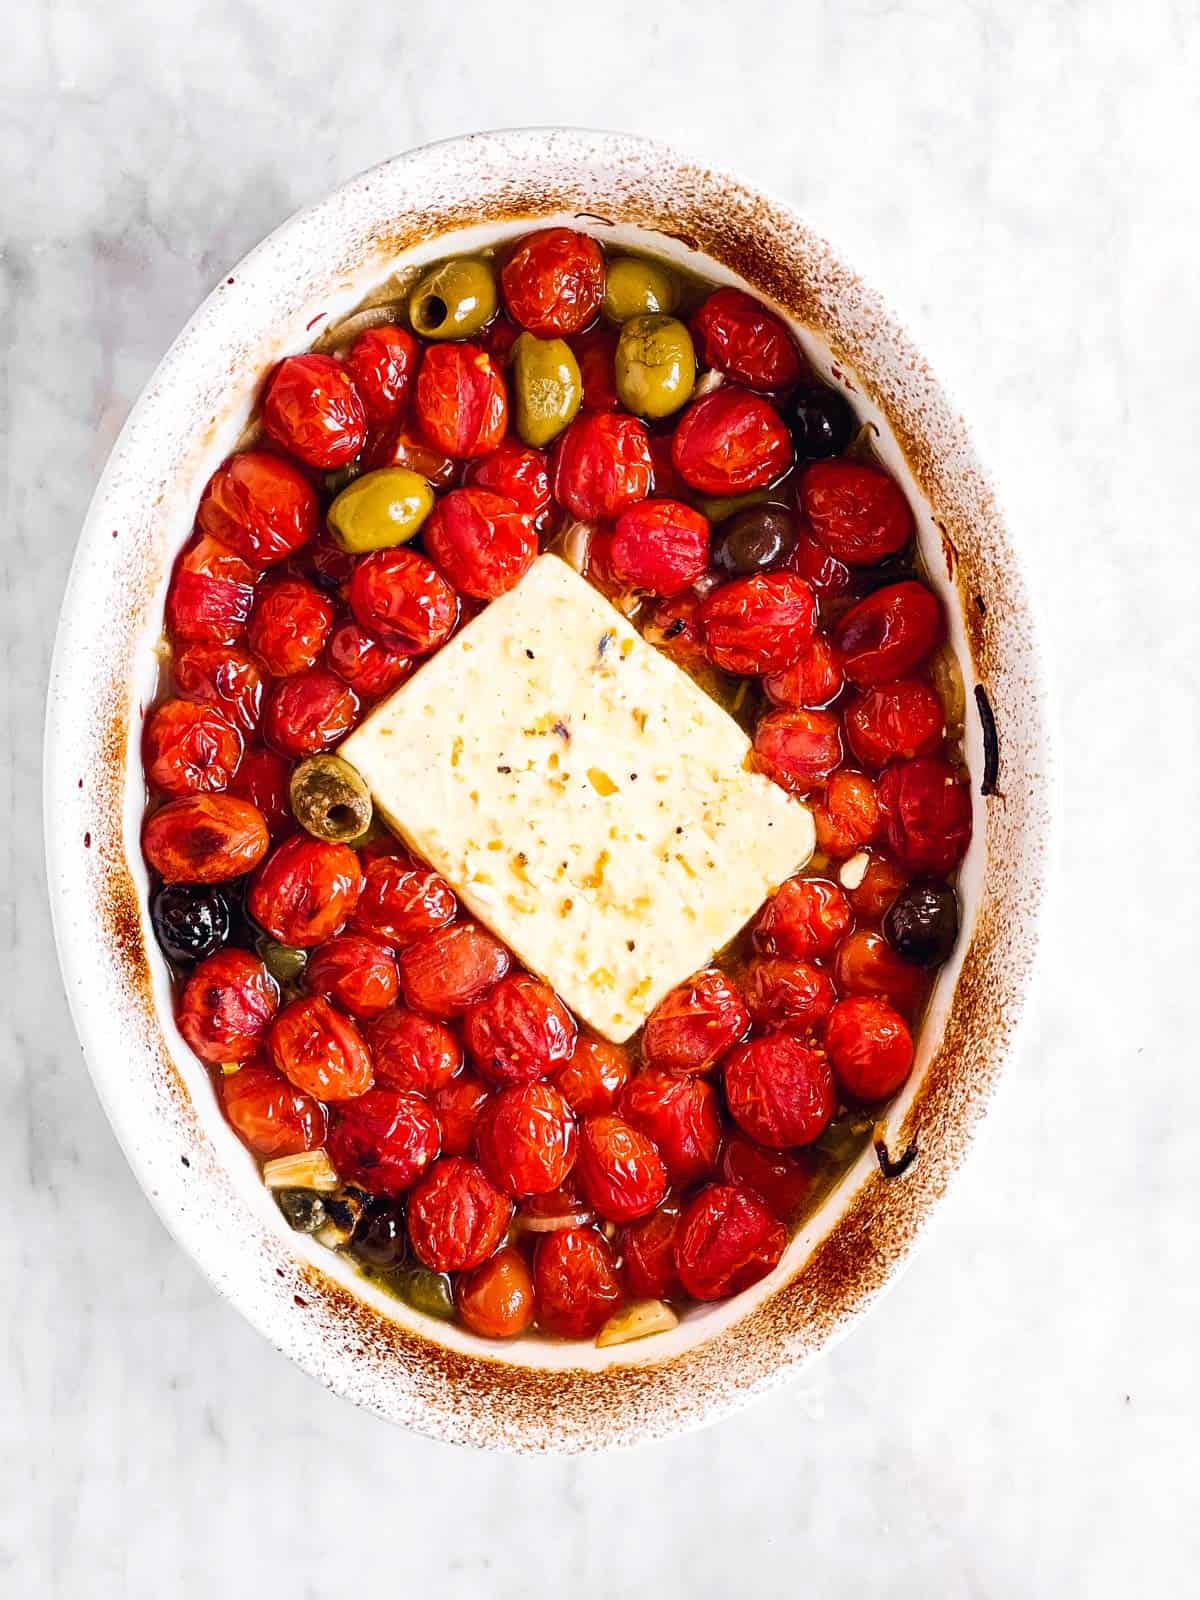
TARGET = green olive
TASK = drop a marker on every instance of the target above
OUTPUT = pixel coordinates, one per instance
(656, 365)
(426, 1291)
(329, 799)
(635, 287)
(454, 300)
(380, 509)
(547, 388)
(285, 963)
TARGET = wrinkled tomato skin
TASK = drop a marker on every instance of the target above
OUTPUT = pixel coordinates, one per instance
(811, 682)
(882, 882)
(310, 712)
(691, 1027)
(593, 1078)
(189, 748)
(210, 596)
(856, 511)
(828, 577)
(495, 1300)
(870, 1048)
(738, 336)
(896, 721)
(727, 1241)
(306, 891)
(731, 441)
(798, 749)
(449, 970)
(259, 506)
(526, 1139)
(553, 282)
(227, 1006)
(400, 445)
(619, 1172)
(381, 363)
(325, 564)
(356, 973)
(779, 1090)
(602, 466)
(313, 411)
(682, 1118)
(481, 541)
(400, 901)
(847, 816)
(205, 838)
(320, 1050)
(412, 1052)
(659, 547)
(888, 634)
(519, 1032)
(269, 1116)
(383, 1140)
(289, 625)
(866, 964)
(262, 779)
(674, 626)
(218, 675)
(596, 353)
(461, 404)
(927, 814)
(647, 1250)
(805, 919)
(518, 473)
(760, 624)
(370, 668)
(780, 1179)
(459, 1105)
(456, 1216)
(402, 599)
(781, 993)
(575, 1283)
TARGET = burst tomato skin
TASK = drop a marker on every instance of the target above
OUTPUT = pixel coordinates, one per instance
(898, 720)
(518, 473)
(870, 1048)
(811, 682)
(553, 282)
(227, 1006)
(760, 624)
(927, 814)
(412, 1052)
(189, 748)
(779, 1090)
(619, 1172)
(262, 779)
(847, 816)
(309, 712)
(519, 1032)
(738, 336)
(320, 1050)
(446, 971)
(481, 541)
(204, 838)
(727, 1241)
(575, 1283)
(691, 1027)
(602, 466)
(828, 577)
(592, 1079)
(856, 511)
(674, 626)
(659, 547)
(370, 668)
(269, 1116)
(461, 404)
(495, 1300)
(596, 353)
(888, 634)
(383, 1140)
(731, 441)
(459, 1105)
(798, 749)
(456, 1216)
(780, 1179)
(866, 964)
(400, 901)
(881, 883)
(357, 973)
(221, 676)
(305, 892)
(526, 1139)
(681, 1117)
(313, 411)
(381, 363)
(289, 625)
(647, 1249)
(781, 993)
(401, 598)
(259, 506)
(210, 596)
(803, 919)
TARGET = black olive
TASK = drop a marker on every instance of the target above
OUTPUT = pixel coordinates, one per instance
(191, 920)
(753, 540)
(921, 923)
(303, 1208)
(380, 1237)
(822, 424)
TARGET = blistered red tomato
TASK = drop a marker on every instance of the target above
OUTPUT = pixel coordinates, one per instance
(828, 577)
(784, 993)
(210, 596)
(447, 971)
(269, 1115)
(881, 883)
(553, 282)
(870, 1048)
(383, 1140)
(779, 1090)
(461, 404)
(520, 474)
(357, 973)
(305, 892)
(889, 633)
(602, 466)
(659, 546)
(619, 1171)
(413, 1052)
(736, 333)
(289, 625)
(456, 1216)
(731, 441)
(648, 1255)
(691, 1027)
(798, 749)
(593, 1077)
(520, 1031)
(227, 1006)
(575, 1283)
(370, 668)
(867, 964)
(810, 682)
(259, 506)
(681, 1117)
(309, 712)
(526, 1139)
(727, 1240)
(481, 541)
(205, 838)
(804, 918)
(495, 1300)
(856, 511)
(262, 779)
(895, 720)
(759, 624)
(927, 814)
(674, 626)
(400, 597)
(459, 1105)
(596, 353)
(401, 901)
(400, 445)
(847, 815)
(381, 363)
(221, 676)
(320, 1050)
(190, 748)
(313, 410)
(782, 1180)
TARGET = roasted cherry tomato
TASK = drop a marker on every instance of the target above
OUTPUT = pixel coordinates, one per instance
(811, 682)
(269, 1116)
(402, 446)
(659, 546)
(674, 626)
(400, 597)
(828, 577)
(461, 402)
(593, 1078)
(189, 748)
(210, 595)
(262, 779)
(760, 624)
(313, 410)
(902, 719)
(927, 814)
(889, 633)
(575, 1283)
(413, 1052)
(691, 1027)
(481, 541)
(305, 892)
(881, 883)
(309, 712)
(320, 1050)
(596, 353)
(779, 1090)
(647, 1250)
(447, 971)
(727, 1241)
(221, 676)
(381, 363)
(227, 1006)
(867, 964)
(519, 1032)
(730, 441)
(602, 465)
(553, 282)
(681, 1117)
(289, 625)
(526, 1139)
(782, 1181)
(847, 815)
(383, 1140)
(459, 1105)
(456, 1216)
(798, 749)
(783, 993)
(856, 511)
(738, 335)
(520, 474)
(619, 1171)
(205, 838)
(357, 973)
(259, 506)
(401, 901)
(804, 918)
(495, 1300)
(870, 1048)
(370, 668)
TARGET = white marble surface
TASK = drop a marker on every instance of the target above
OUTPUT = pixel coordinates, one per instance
(1021, 1417)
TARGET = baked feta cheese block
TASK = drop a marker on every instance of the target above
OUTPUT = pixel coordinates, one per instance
(584, 797)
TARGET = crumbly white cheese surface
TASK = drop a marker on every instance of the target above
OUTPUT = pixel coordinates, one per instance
(587, 801)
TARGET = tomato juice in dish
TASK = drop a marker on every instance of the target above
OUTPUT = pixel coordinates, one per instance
(557, 794)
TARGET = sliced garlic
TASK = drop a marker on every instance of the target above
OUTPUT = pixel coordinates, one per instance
(312, 1169)
(707, 382)
(637, 1321)
(851, 873)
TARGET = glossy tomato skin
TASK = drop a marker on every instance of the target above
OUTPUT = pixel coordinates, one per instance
(596, 353)
(313, 411)
(870, 1048)
(459, 1104)
(262, 779)
(602, 466)
(691, 1027)
(381, 363)
(383, 1140)
(370, 668)
(320, 1050)
(847, 816)
(401, 901)
(356, 973)
(224, 677)
(309, 712)
(779, 1090)
(526, 1139)
(890, 633)
(189, 748)
(927, 814)
(575, 1283)
(401, 445)
(682, 1118)
(461, 404)
(798, 749)
(647, 1250)
(659, 547)
(520, 1031)
(204, 838)
(760, 624)
(619, 1171)
(592, 1079)
(445, 972)
(495, 1300)
(738, 336)
(731, 441)
(401, 598)
(881, 883)
(482, 542)
(674, 626)
(227, 1006)
(456, 1216)
(269, 1116)
(289, 625)
(803, 919)
(866, 964)
(780, 1179)
(519, 473)
(856, 511)
(728, 1240)
(782, 993)
(895, 721)
(412, 1052)
(210, 596)
(811, 682)
(305, 892)
(828, 577)
(553, 282)
(259, 506)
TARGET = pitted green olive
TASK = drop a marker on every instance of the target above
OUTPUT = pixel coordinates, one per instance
(380, 509)
(426, 1291)
(284, 962)
(547, 388)
(329, 799)
(453, 301)
(636, 287)
(655, 366)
